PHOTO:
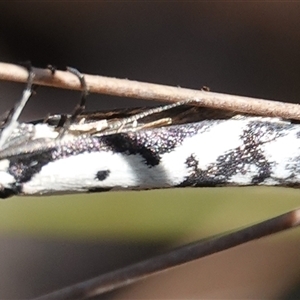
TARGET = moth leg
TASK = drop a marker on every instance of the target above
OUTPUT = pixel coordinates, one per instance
(11, 121)
(85, 91)
(67, 122)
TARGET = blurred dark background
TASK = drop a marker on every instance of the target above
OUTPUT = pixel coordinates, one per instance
(249, 49)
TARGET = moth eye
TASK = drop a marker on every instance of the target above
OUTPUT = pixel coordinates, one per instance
(102, 175)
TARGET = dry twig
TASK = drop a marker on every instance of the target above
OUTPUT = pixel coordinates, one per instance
(149, 91)
(128, 275)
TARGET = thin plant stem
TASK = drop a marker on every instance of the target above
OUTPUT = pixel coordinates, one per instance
(187, 253)
(150, 91)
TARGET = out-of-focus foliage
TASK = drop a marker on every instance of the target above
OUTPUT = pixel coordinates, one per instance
(146, 215)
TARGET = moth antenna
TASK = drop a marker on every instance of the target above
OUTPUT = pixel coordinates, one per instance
(116, 125)
(11, 121)
(65, 123)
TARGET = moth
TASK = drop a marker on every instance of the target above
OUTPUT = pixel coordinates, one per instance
(176, 145)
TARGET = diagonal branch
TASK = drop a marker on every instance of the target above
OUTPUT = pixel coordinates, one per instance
(150, 91)
(136, 272)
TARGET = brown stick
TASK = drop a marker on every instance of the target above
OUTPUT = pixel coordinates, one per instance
(149, 91)
(128, 275)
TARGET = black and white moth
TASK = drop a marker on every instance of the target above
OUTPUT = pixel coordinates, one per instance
(177, 145)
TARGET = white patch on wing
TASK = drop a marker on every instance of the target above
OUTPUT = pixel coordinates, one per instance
(4, 165)
(5, 178)
(217, 141)
(44, 131)
(205, 147)
(246, 177)
(78, 173)
(280, 151)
